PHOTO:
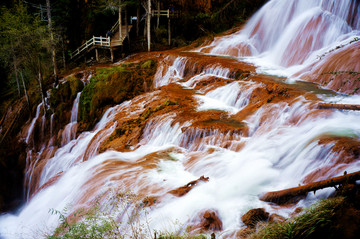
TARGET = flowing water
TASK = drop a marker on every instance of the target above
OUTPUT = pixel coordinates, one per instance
(249, 136)
(287, 36)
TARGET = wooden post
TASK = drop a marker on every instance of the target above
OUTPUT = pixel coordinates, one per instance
(137, 21)
(158, 14)
(127, 25)
(112, 54)
(97, 55)
(120, 23)
(169, 31)
(148, 24)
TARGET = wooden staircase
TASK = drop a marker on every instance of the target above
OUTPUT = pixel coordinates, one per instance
(102, 42)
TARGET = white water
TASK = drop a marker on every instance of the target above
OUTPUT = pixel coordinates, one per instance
(73, 152)
(33, 122)
(232, 97)
(277, 154)
(274, 35)
(280, 150)
(69, 132)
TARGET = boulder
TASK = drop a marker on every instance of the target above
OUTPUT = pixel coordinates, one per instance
(210, 221)
(253, 216)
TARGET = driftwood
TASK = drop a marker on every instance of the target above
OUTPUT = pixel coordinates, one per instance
(181, 191)
(338, 106)
(292, 195)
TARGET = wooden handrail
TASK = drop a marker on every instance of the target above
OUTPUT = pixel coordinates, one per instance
(166, 13)
(102, 41)
(116, 25)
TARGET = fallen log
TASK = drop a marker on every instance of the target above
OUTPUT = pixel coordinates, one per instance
(293, 195)
(338, 106)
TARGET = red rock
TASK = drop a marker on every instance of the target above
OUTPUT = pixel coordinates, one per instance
(275, 218)
(253, 216)
(211, 221)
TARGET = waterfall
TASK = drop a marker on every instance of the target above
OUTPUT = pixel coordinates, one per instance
(275, 33)
(69, 132)
(32, 125)
(250, 134)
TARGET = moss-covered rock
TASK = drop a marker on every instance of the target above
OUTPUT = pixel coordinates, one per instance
(113, 85)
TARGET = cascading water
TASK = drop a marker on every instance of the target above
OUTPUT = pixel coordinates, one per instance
(249, 135)
(69, 132)
(275, 34)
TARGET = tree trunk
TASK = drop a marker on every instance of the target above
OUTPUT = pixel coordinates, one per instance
(137, 21)
(294, 194)
(148, 24)
(53, 51)
(120, 23)
(63, 51)
(41, 88)
(25, 91)
(17, 79)
(169, 31)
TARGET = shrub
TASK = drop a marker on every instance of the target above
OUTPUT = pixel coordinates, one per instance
(315, 222)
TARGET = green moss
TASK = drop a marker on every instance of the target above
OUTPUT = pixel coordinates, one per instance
(148, 64)
(113, 85)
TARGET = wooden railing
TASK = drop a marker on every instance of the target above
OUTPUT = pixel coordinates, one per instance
(166, 13)
(115, 27)
(98, 41)
(101, 41)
